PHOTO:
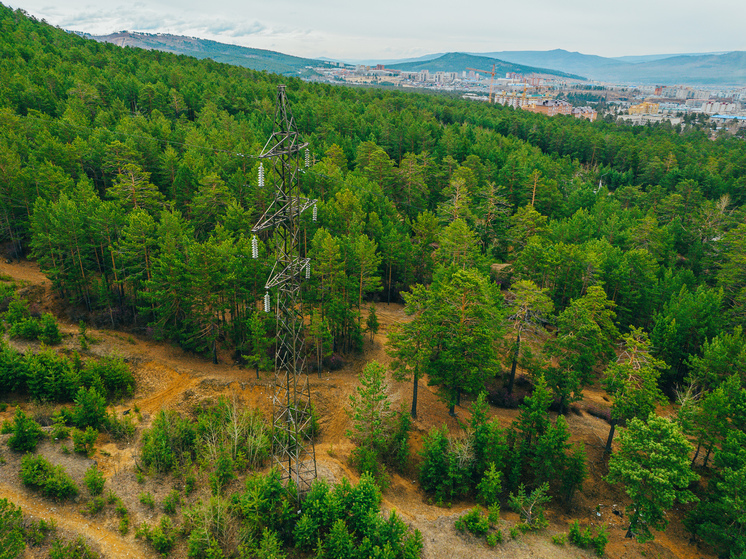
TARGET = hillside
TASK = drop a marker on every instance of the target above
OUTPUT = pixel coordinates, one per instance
(557, 59)
(255, 59)
(713, 69)
(459, 62)
(169, 379)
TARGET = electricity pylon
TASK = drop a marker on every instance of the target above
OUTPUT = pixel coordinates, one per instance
(292, 444)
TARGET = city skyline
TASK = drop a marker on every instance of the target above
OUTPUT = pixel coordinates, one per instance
(335, 29)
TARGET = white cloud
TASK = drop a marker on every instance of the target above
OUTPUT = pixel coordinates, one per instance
(401, 28)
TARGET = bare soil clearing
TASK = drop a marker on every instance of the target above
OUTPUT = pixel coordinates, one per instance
(168, 378)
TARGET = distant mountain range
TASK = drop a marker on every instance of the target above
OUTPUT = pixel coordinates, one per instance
(256, 59)
(695, 69)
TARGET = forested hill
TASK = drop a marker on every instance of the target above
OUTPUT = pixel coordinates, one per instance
(459, 62)
(256, 59)
(131, 177)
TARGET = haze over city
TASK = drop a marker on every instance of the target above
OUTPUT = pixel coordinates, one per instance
(391, 30)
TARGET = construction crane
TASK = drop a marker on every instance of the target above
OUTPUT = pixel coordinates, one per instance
(492, 81)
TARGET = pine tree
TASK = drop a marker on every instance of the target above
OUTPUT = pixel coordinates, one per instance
(530, 305)
(372, 420)
(652, 464)
(632, 381)
(463, 321)
(585, 336)
(410, 343)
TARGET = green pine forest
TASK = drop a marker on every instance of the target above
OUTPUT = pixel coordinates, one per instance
(131, 177)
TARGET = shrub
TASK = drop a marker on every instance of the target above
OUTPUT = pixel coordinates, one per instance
(94, 480)
(83, 335)
(266, 503)
(27, 329)
(120, 509)
(59, 426)
(50, 377)
(26, 432)
(76, 549)
(52, 481)
(17, 310)
(161, 537)
(94, 506)
(38, 530)
(12, 368)
(169, 442)
(146, 498)
(473, 521)
(42, 413)
(493, 514)
(120, 429)
(338, 517)
(335, 362)
(124, 524)
(491, 485)
(113, 374)
(530, 507)
(171, 502)
(90, 408)
(270, 547)
(494, 538)
(446, 464)
(223, 472)
(11, 530)
(189, 483)
(205, 524)
(84, 441)
(366, 461)
(397, 453)
(49, 330)
(230, 427)
(585, 539)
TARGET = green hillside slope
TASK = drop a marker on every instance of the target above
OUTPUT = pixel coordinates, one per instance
(458, 62)
(255, 59)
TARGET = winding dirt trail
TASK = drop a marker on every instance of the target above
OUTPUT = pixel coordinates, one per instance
(109, 543)
(168, 378)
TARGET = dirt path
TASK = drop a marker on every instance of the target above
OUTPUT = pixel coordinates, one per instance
(169, 378)
(66, 519)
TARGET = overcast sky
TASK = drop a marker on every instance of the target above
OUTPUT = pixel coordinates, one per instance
(385, 29)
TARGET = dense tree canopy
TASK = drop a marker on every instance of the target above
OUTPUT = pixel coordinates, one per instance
(132, 178)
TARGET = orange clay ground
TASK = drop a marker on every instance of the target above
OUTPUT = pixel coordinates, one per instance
(170, 378)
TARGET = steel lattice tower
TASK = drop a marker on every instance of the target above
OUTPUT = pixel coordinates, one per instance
(293, 444)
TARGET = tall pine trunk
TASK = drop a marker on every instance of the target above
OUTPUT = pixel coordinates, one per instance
(611, 436)
(513, 366)
(415, 385)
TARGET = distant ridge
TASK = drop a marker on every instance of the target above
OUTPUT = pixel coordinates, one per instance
(255, 59)
(459, 61)
(374, 61)
(557, 59)
(696, 69)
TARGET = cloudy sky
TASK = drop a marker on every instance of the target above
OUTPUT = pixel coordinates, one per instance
(386, 29)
